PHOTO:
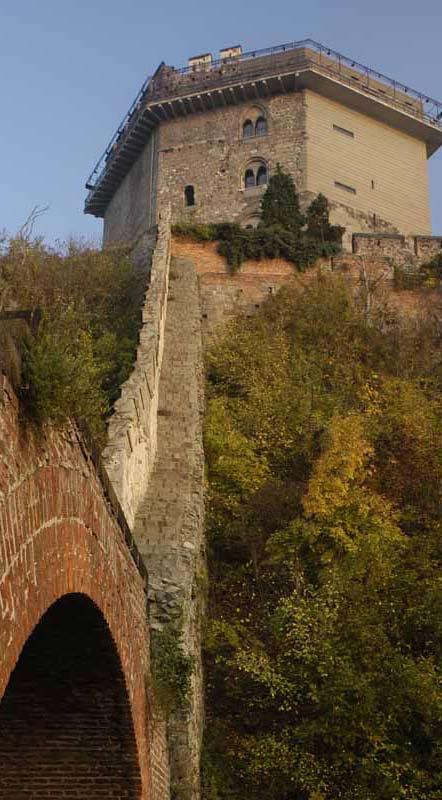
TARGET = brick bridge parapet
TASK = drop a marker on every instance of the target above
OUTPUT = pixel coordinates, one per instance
(60, 535)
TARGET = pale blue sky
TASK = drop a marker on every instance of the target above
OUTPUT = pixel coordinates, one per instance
(69, 70)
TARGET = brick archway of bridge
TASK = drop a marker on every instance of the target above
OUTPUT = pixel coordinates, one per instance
(59, 537)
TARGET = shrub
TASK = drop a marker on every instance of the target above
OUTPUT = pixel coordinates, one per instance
(279, 233)
(432, 270)
(90, 303)
(172, 668)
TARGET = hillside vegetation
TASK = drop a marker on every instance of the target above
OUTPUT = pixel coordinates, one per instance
(324, 642)
(85, 345)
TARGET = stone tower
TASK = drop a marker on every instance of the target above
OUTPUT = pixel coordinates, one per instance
(206, 138)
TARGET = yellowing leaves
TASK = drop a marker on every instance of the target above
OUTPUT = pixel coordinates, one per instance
(342, 465)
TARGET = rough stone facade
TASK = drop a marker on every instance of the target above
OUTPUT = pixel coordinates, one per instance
(209, 152)
(60, 540)
(365, 185)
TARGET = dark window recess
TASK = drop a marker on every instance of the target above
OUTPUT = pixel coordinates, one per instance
(247, 129)
(261, 176)
(261, 126)
(346, 188)
(249, 179)
(346, 132)
(372, 184)
(189, 195)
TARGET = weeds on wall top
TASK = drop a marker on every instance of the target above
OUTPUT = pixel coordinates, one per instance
(86, 342)
(283, 231)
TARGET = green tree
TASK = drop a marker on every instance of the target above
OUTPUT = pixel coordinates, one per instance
(280, 203)
(318, 221)
(324, 643)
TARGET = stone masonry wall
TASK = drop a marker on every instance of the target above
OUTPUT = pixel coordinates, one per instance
(154, 459)
(402, 250)
(223, 295)
(208, 152)
(132, 432)
(169, 524)
(58, 536)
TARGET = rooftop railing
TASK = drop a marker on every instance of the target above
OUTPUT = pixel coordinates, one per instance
(334, 63)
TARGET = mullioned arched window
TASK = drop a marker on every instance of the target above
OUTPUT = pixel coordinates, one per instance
(255, 124)
(255, 174)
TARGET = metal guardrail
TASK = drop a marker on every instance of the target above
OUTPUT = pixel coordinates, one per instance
(431, 108)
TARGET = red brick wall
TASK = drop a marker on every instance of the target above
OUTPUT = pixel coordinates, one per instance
(59, 536)
(223, 295)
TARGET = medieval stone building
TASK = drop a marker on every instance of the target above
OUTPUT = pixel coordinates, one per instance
(206, 138)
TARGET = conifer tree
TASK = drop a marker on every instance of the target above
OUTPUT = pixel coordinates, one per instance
(280, 204)
(318, 222)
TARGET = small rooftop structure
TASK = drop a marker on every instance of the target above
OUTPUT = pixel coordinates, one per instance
(230, 52)
(200, 62)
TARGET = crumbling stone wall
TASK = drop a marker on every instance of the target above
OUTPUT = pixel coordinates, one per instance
(398, 248)
(427, 247)
(402, 250)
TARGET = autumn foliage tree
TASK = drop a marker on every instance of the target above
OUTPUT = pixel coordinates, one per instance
(324, 645)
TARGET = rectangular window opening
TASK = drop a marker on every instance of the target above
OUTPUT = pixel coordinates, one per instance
(346, 188)
(346, 132)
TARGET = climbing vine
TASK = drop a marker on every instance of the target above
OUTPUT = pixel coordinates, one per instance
(283, 231)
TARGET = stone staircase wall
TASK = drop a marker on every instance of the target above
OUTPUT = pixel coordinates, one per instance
(155, 463)
(169, 525)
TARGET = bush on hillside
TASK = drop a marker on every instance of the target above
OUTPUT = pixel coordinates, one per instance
(85, 345)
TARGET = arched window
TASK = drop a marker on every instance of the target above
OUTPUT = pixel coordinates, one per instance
(249, 179)
(261, 126)
(189, 195)
(247, 129)
(261, 176)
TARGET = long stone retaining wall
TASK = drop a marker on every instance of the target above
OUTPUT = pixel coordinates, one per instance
(132, 432)
(155, 463)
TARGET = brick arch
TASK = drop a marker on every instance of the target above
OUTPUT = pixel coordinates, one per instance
(66, 723)
(58, 537)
